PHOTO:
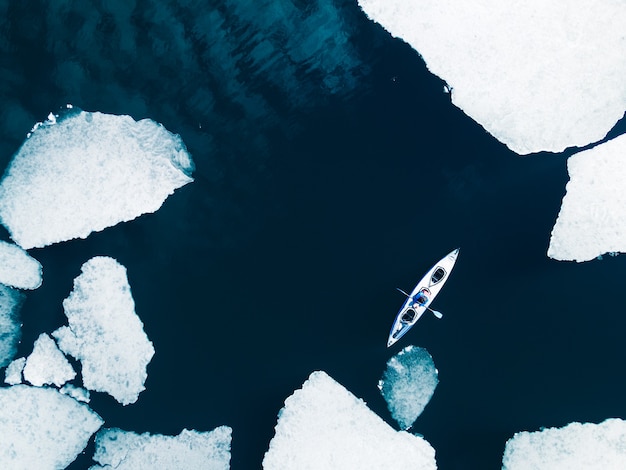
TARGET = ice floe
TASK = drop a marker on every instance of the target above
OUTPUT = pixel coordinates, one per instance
(10, 325)
(18, 268)
(104, 331)
(408, 384)
(77, 393)
(42, 429)
(84, 172)
(576, 446)
(47, 365)
(325, 426)
(189, 450)
(13, 372)
(592, 219)
(536, 75)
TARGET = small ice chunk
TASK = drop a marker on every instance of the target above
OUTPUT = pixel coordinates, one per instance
(84, 172)
(104, 331)
(18, 268)
(42, 429)
(77, 393)
(47, 365)
(10, 325)
(592, 219)
(585, 446)
(13, 372)
(325, 426)
(408, 384)
(536, 75)
(189, 450)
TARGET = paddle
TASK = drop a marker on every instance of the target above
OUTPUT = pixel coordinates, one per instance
(437, 314)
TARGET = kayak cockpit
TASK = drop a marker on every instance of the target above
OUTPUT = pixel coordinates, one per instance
(437, 276)
(408, 316)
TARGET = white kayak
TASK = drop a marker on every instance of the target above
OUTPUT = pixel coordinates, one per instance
(422, 295)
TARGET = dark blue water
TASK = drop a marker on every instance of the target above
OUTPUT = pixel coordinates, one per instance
(331, 168)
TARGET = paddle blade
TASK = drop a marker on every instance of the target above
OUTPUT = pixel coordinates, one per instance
(437, 314)
(403, 292)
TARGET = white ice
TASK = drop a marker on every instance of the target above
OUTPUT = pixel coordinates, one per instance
(104, 331)
(574, 447)
(77, 393)
(85, 172)
(47, 365)
(42, 429)
(18, 268)
(190, 450)
(408, 384)
(536, 75)
(324, 426)
(592, 220)
(10, 325)
(13, 372)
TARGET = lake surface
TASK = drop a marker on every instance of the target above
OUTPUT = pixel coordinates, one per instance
(331, 168)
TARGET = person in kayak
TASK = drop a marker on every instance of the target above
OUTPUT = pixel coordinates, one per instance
(420, 299)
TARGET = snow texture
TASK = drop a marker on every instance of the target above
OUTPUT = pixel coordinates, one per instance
(576, 446)
(536, 75)
(324, 426)
(13, 372)
(17, 268)
(190, 450)
(47, 365)
(10, 325)
(592, 219)
(42, 429)
(84, 172)
(104, 331)
(408, 384)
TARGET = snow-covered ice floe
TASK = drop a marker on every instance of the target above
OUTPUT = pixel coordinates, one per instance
(47, 365)
(18, 268)
(42, 429)
(190, 450)
(84, 172)
(408, 384)
(324, 426)
(104, 331)
(536, 75)
(592, 219)
(13, 372)
(10, 324)
(576, 446)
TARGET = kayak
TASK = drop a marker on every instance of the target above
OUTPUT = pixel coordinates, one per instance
(421, 297)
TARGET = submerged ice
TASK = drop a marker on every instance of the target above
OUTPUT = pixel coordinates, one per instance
(17, 268)
(324, 426)
(592, 219)
(42, 428)
(190, 450)
(536, 75)
(576, 446)
(408, 384)
(104, 332)
(85, 172)
(10, 325)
